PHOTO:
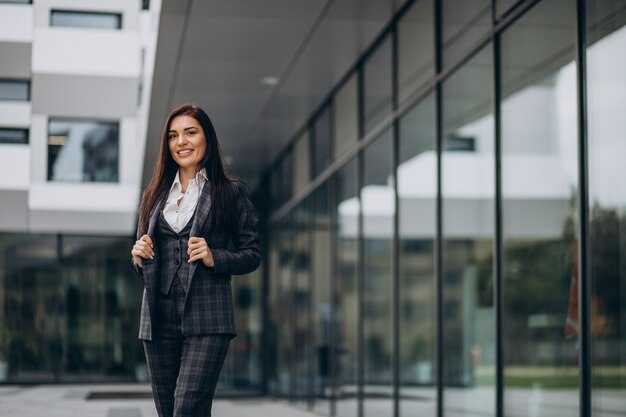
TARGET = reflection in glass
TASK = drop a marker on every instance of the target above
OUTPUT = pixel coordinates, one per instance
(69, 306)
(301, 163)
(465, 24)
(321, 313)
(377, 196)
(300, 302)
(345, 117)
(417, 189)
(503, 6)
(539, 191)
(322, 141)
(417, 180)
(345, 234)
(606, 86)
(468, 192)
(14, 90)
(378, 85)
(273, 328)
(416, 56)
(286, 380)
(83, 150)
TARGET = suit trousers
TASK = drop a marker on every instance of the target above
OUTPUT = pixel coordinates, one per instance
(183, 369)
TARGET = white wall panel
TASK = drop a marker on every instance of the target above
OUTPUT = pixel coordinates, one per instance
(14, 167)
(101, 53)
(16, 23)
(15, 114)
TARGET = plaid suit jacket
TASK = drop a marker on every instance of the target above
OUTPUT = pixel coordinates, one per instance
(209, 303)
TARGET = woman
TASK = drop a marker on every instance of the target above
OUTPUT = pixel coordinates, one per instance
(196, 229)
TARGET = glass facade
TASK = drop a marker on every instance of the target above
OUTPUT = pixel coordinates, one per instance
(83, 150)
(469, 201)
(68, 309)
(444, 237)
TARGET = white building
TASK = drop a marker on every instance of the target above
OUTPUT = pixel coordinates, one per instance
(73, 113)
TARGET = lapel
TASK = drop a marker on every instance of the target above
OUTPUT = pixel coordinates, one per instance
(153, 218)
(202, 212)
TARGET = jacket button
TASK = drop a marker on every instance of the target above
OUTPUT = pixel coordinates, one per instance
(176, 262)
(176, 250)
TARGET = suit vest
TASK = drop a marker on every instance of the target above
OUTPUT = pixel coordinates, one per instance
(172, 249)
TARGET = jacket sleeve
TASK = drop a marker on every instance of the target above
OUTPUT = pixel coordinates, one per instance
(246, 255)
(138, 270)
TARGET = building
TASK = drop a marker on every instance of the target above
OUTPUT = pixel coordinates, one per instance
(440, 189)
(73, 115)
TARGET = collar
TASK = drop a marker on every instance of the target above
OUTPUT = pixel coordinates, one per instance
(201, 178)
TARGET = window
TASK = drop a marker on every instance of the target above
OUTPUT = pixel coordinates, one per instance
(145, 4)
(9, 135)
(345, 117)
(17, 1)
(539, 206)
(83, 150)
(96, 20)
(14, 90)
(416, 52)
(378, 86)
(301, 162)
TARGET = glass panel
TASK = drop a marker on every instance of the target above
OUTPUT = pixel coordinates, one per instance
(468, 192)
(378, 85)
(345, 233)
(99, 311)
(13, 90)
(417, 191)
(241, 373)
(301, 299)
(322, 141)
(286, 378)
(301, 162)
(606, 86)
(16, 136)
(85, 19)
(17, 1)
(322, 312)
(503, 6)
(286, 168)
(273, 329)
(145, 4)
(68, 310)
(465, 24)
(345, 117)
(83, 150)
(539, 191)
(377, 196)
(416, 53)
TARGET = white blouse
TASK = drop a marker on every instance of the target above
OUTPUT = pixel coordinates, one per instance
(179, 206)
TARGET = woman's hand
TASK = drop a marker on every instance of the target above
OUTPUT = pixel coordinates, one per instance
(197, 249)
(143, 249)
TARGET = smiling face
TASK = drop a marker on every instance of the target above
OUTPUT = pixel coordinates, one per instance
(187, 142)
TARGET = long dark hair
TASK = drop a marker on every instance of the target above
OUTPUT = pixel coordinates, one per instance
(222, 188)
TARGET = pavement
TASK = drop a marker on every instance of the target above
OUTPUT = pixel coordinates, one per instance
(120, 401)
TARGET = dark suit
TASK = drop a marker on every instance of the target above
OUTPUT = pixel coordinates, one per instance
(205, 307)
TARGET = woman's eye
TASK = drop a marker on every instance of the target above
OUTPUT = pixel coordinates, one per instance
(191, 133)
(170, 137)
